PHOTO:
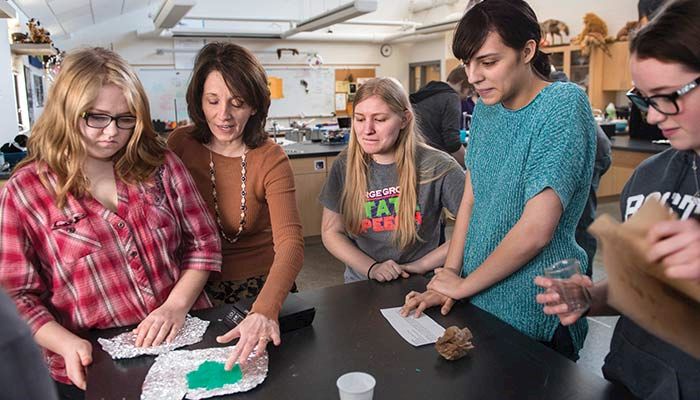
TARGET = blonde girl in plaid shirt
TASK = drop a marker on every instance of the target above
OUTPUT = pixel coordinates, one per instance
(101, 226)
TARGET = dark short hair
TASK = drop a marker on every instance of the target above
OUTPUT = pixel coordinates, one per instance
(673, 35)
(244, 76)
(513, 20)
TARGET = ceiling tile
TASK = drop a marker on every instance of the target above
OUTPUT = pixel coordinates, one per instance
(132, 5)
(64, 6)
(80, 11)
(105, 10)
(77, 23)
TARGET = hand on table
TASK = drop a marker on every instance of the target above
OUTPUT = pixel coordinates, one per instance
(77, 354)
(422, 301)
(161, 325)
(447, 282)
(387, 271)
(255, 331)
(553, 304)
(676, 244)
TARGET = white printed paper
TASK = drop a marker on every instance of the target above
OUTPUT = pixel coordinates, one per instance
(416, 331)
(341, 101)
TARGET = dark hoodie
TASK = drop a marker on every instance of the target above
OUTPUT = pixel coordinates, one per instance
(438, 113)
(648, 366)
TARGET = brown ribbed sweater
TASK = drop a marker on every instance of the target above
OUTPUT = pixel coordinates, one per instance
(271, 243)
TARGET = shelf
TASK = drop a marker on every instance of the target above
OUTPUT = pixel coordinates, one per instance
(6, 10)
(32, 49)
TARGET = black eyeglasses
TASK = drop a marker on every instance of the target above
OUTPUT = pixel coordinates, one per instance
(666, 104)
(101, 121)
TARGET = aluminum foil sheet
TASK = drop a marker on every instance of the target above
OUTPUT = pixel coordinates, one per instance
(167, 378)
(122, 346)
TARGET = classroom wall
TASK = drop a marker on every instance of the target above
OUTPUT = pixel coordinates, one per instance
(141, 51)
(8, 105)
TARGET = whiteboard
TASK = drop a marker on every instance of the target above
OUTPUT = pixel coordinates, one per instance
(167, 87)
(320, 99)
(166, 90)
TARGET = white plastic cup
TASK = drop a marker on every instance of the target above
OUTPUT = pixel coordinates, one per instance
(356, 386)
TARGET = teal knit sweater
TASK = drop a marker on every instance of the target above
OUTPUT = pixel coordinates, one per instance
(514, 155)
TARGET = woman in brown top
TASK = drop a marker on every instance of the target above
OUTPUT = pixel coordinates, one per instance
(247, 183)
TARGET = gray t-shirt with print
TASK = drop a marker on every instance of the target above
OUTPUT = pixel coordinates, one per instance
(382, 200)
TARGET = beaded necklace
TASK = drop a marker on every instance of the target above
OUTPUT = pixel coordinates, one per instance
(241, 225)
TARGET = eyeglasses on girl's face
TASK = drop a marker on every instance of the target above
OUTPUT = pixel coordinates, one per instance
(666, 104)
(101, 121)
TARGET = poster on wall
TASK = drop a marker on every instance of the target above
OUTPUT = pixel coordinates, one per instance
(39, 90)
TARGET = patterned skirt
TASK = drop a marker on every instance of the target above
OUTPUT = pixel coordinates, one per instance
(229, 292)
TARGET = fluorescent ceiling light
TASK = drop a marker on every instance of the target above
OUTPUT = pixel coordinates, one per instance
(6, 10)
(439, 27)
(171, 12)
(337, 15)
(225, 34)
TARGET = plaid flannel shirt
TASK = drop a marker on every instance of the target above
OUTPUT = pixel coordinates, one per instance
(87, 267)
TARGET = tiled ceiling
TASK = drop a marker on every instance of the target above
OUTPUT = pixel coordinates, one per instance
(62, 17)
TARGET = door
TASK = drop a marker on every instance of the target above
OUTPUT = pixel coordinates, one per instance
(419, 74)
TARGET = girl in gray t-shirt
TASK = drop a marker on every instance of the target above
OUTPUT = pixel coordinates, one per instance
(384, 196)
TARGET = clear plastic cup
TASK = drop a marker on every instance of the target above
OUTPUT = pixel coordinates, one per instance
(567, 281)
(356, 386)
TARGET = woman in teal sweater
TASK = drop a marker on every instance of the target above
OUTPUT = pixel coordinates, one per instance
(529, 166)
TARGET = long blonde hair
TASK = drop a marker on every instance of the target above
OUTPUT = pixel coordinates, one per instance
(405, 153)
(56, 140)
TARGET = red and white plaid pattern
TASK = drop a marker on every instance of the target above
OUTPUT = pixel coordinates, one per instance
(90, 268)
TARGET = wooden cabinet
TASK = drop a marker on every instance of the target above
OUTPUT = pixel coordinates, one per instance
(616, 74)
(610, 74)
(623, 165)
(568, 58)
(601, 74)
(309, 176)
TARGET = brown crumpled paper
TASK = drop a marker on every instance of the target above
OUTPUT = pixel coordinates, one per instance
(668, 308)
(455, 343)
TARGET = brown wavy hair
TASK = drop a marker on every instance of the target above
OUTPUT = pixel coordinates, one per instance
(56, 140)
(244, 76)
